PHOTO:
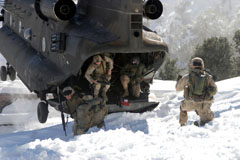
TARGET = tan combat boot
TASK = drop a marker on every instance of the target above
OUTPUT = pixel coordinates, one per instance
(183, 118)
(77, 131)
(102, 124)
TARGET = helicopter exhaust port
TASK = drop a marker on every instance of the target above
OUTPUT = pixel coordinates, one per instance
(152, 9)
(62, 10)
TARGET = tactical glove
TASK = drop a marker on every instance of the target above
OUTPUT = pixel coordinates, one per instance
(93, 85)
(211, 91)
(60, 107)
(179, 77)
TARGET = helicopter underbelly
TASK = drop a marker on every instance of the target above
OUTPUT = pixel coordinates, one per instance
(34, 70)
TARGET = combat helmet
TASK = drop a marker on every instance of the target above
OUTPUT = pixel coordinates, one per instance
(97, 58)
(197, 63)
(135, 60)
(68, 91)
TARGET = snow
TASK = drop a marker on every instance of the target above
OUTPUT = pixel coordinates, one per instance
(185, 24)
(152, 135)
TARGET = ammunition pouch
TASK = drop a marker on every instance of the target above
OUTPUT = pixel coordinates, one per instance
(198, 98)
(201, 98)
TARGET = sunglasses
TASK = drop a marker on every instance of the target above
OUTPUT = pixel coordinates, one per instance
(199, 64)
(67, 93)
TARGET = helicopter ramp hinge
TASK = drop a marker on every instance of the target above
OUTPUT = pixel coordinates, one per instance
(58, 42)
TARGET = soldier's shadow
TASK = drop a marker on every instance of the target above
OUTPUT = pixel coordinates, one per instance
(217, 114)
(56, 131)
(130, 124)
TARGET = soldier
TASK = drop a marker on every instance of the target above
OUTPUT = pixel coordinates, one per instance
(99, 74)
(199, 89)
(132, 72)
(86, 111)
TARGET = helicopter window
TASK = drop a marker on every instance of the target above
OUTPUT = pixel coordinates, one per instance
(43, 44)
(11, 20)
(58, 42)
(13, 23)
(20, 27)
(28, 34)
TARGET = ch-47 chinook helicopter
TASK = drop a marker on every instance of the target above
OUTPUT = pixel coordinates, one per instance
(50, 44)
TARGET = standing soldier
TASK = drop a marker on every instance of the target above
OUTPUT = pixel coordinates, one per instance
(86, 111)
(199, 89)
(132, 72)
(99, 74)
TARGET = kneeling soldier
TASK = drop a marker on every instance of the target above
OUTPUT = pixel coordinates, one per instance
(199, 89)
(86, 111)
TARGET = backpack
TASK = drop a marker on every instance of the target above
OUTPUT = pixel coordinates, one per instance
(198, 83)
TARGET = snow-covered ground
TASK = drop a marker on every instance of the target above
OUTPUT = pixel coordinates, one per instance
(152, 135)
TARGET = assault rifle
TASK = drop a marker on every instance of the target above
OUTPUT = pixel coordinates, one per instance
(104, 82)
(61, 109)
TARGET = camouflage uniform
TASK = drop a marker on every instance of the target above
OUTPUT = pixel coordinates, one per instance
(100, 73)
(132, 73)
(201, 104)
(86, 112)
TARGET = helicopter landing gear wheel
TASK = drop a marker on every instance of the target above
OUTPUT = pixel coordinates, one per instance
(42, 112)
(12, 73)
(3, 73)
